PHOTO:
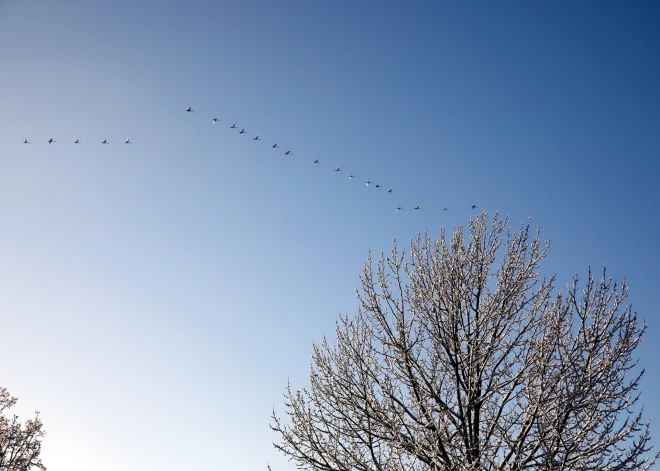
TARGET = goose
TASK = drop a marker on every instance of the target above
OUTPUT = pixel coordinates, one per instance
(275, 146)
(127, 141)
(368, 183)
(389, 191)
(445, 208)
(351, 177)
(377, 186)
(77, 141)
(338, 169)
(288, 152)
(215, 120)
(417, 207)
(233, 126)
(25, 141)
(105, 141)
(399, 209)
(51, 140)
(242, 131)
(256, 138)
(316, 161)
(189, 109)
(474, 206)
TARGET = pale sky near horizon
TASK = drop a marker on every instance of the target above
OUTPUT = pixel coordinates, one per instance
(155, 297)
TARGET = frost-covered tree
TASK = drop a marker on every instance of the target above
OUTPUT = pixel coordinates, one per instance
(461, 357)
(20, 444)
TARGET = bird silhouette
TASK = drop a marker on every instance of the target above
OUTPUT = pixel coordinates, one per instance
(368, 183)
(338, 169)
(77, 141)
(417, 207)
(288, 152)
(275, 146)
(51, 140)
(127, 141)
(389, 191)
(474, 206)
(189, 109)
(377, 186)
(215, 120)
(25, 141)
(445, 208)
(399, 209)
(105, 141)
(256, 138)
(242, 131)
(351, 177)
(316, 161)
(233, 126)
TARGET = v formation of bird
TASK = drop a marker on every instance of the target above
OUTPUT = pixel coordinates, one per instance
(274, 146)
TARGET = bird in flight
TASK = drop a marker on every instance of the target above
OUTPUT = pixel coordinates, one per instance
(105, 141)
(377, 186)
(351, 177)
(242, 131)
(275, 146)
(25, 141)
(256, 138)
(215, 120)
(389, 191)
(288, 152)
(417, 207)
(474, 206)
(445, 208)
(338, 169)
(399, 209)
(127, 141)
(77, 141)
(189, 109)
(51, 140)
(368, 183)
(316, 161)
(233, 126)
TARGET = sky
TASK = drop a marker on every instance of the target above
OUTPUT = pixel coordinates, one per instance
(155, 298)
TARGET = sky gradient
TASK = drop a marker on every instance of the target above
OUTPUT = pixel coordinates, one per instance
(156, 297)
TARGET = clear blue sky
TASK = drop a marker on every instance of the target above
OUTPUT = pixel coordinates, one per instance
(155, 297)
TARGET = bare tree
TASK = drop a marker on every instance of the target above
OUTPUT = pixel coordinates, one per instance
(20, 445)
(462, 358)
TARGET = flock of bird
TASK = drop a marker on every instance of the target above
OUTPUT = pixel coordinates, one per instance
(274, 146)
(77, 141)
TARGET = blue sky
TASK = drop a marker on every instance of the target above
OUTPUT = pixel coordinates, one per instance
(156, 297)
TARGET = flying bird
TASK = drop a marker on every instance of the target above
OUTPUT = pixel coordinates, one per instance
(189, 109)
(25, 141)
(351, 177)
(399, 209)
(389, 191)
(368, 183)
(77, 141)
(51, 140)
(256, 138)
(445, 208)
(215, 120)
(275, 146)
(233, 126)
(316, 161)
(105, 141)
(474, 206)
(417, 207)
(242, 131)
(127, 141)
(338, 169)
(377, 186)
(288, 152)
